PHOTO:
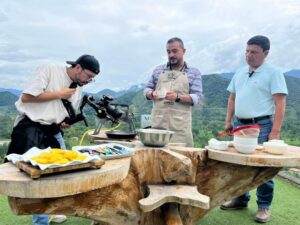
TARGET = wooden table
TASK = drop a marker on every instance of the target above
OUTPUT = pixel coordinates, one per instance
(154, 181)
(15, 183)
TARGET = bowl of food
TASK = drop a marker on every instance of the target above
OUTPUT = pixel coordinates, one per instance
(155, 137)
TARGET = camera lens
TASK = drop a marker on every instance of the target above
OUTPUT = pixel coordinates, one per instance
(114, 112)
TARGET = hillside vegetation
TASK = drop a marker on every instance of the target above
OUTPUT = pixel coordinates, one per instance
(208, 119)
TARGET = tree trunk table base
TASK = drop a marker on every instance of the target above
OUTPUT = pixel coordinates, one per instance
(119, 203)
(182, 194)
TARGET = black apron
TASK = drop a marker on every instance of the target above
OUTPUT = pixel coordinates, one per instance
(27, 134)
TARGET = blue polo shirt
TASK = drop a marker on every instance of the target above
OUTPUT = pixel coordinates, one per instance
(253, 95)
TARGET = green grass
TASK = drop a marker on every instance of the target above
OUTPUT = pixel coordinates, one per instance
(285, 211)
(8, 218)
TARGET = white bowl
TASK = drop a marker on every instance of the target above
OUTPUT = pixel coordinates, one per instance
(276, 147)
(244, 140)
(218, 145)
(245, 149)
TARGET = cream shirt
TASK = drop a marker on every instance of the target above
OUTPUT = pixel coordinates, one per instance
(48, 78)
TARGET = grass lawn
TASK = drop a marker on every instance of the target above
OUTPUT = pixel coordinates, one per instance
(285, 211)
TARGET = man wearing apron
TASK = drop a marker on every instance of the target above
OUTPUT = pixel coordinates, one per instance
(174, 88)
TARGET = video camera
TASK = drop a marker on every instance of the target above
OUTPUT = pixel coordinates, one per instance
(104, 108)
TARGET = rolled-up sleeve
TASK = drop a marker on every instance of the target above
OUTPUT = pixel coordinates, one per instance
(151, 84)
(196, 91)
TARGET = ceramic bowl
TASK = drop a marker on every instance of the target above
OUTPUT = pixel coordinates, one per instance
(237, 140)
(277, 147)
(218, 145)
(245, 149)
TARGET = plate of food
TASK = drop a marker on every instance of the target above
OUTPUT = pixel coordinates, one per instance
(106, 151)
(52, 157)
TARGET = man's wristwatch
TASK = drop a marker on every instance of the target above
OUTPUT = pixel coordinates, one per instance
(177, 99)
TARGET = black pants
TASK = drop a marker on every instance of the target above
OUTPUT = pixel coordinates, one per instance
(28, 134)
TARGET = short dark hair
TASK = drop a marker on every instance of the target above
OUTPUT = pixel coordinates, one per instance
(176, 39)
(261, 41)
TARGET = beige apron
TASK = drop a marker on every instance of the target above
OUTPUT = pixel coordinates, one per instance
(174, 116)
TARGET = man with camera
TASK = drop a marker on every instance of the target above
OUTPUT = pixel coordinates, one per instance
(46, 106)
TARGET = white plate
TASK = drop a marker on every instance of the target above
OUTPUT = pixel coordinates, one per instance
(127, 151)
(34, 151)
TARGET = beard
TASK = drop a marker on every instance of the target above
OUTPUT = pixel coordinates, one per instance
(174, 62)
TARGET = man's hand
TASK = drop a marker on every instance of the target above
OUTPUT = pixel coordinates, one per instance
(66, 93)
(228, 127)
(171, 96)
(274, 135)
(64, 125)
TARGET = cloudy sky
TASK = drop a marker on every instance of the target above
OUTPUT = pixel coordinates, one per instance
(128, 36)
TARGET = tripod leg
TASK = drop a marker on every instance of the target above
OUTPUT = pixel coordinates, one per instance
(98, 127)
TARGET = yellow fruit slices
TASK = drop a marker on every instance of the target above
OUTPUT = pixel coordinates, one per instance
(58, 156)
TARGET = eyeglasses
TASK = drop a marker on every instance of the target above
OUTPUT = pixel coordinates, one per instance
(90, 77)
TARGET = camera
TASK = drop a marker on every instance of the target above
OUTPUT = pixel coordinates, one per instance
(114, 112)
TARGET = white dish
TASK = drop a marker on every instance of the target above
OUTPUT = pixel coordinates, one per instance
(127, 152)
(218, 145)
(245, 149)
(237, 140)
(276, 147)
(34, 151)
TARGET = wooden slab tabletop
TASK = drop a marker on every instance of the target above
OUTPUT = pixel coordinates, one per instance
(15, 183)
(291, 158)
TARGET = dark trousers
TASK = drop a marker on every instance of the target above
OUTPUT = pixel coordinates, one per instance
(264, 192)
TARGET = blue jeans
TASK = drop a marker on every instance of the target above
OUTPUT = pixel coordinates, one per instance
(265, 191)
(43, 219)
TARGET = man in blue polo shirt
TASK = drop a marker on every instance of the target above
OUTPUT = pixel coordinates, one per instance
(257, 96)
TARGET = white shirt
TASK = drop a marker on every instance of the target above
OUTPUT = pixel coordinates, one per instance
(48, 78)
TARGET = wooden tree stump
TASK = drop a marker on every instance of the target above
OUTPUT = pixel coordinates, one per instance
(119, 203)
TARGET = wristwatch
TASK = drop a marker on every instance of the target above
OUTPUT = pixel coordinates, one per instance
(177, 99)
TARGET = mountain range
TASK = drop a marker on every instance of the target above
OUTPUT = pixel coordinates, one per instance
(134, 88)
(208, 119)
(214, 89)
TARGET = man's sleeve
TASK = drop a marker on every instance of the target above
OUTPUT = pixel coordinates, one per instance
(150, 86)
(278, 84)
(231, 86)
(196, 91)
(39, 82)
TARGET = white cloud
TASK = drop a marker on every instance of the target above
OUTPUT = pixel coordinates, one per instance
(128, 37)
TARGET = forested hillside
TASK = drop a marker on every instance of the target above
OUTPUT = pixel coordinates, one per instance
(208, 119)
(7, 98)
